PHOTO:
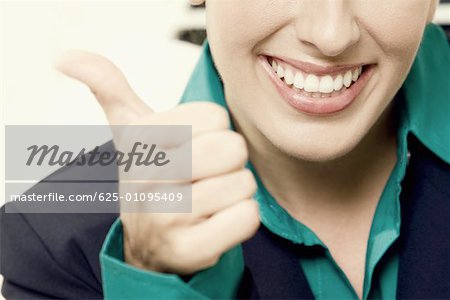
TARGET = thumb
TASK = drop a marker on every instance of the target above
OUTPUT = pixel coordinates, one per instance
(109, 85)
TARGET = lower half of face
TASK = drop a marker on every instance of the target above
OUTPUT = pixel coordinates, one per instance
(311, 78)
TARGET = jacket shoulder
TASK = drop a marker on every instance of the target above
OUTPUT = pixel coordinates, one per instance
(53, 255)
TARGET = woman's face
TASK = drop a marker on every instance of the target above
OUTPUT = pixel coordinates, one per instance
(286, 65)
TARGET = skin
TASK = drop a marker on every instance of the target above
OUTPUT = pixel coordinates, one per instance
(327, 172)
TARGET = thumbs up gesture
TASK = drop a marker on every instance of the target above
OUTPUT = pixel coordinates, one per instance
(223, 211)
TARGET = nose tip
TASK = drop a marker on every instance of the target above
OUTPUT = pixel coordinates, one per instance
(335, 40)
(330, 31)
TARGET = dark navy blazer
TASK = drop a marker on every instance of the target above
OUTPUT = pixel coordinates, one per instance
(57, 255)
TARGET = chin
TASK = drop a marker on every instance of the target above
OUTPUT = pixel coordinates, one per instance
(319, 155)
(322, 150)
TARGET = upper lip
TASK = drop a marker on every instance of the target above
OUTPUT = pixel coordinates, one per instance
(317, 69)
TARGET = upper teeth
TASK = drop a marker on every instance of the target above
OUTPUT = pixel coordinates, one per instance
(313, 83)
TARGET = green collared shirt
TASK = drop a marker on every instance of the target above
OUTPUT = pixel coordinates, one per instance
(423, 111)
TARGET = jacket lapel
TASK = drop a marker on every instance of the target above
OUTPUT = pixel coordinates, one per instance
(424, 244)
(273, 269)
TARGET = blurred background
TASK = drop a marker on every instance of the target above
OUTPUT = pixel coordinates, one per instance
(155, 43)
(141, 37)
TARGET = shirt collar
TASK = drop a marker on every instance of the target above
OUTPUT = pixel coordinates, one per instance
(427, 93)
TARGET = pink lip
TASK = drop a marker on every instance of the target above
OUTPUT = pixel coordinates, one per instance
(319, 106)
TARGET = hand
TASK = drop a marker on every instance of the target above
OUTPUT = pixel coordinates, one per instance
(223, 213)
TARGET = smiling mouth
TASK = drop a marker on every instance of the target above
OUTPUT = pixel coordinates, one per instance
(315, 89)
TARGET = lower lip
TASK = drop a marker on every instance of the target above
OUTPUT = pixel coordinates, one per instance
(317, 106)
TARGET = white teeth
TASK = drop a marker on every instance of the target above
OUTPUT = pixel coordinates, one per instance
(280, 71)
(355, 74)
(338, 83)
(289, 77)
(274, 65)
(311, 83)
(347, 78)
(299, 81)
(326, 84)
(315, 85)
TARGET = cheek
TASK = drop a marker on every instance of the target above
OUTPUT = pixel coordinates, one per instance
(396, 26)
(394, 31)
(237, 26)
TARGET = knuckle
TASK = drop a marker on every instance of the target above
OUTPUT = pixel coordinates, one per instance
(252, 214)
(249, 181)
(209, 144)
(237, 146)
(215, 114)
(211, 260)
